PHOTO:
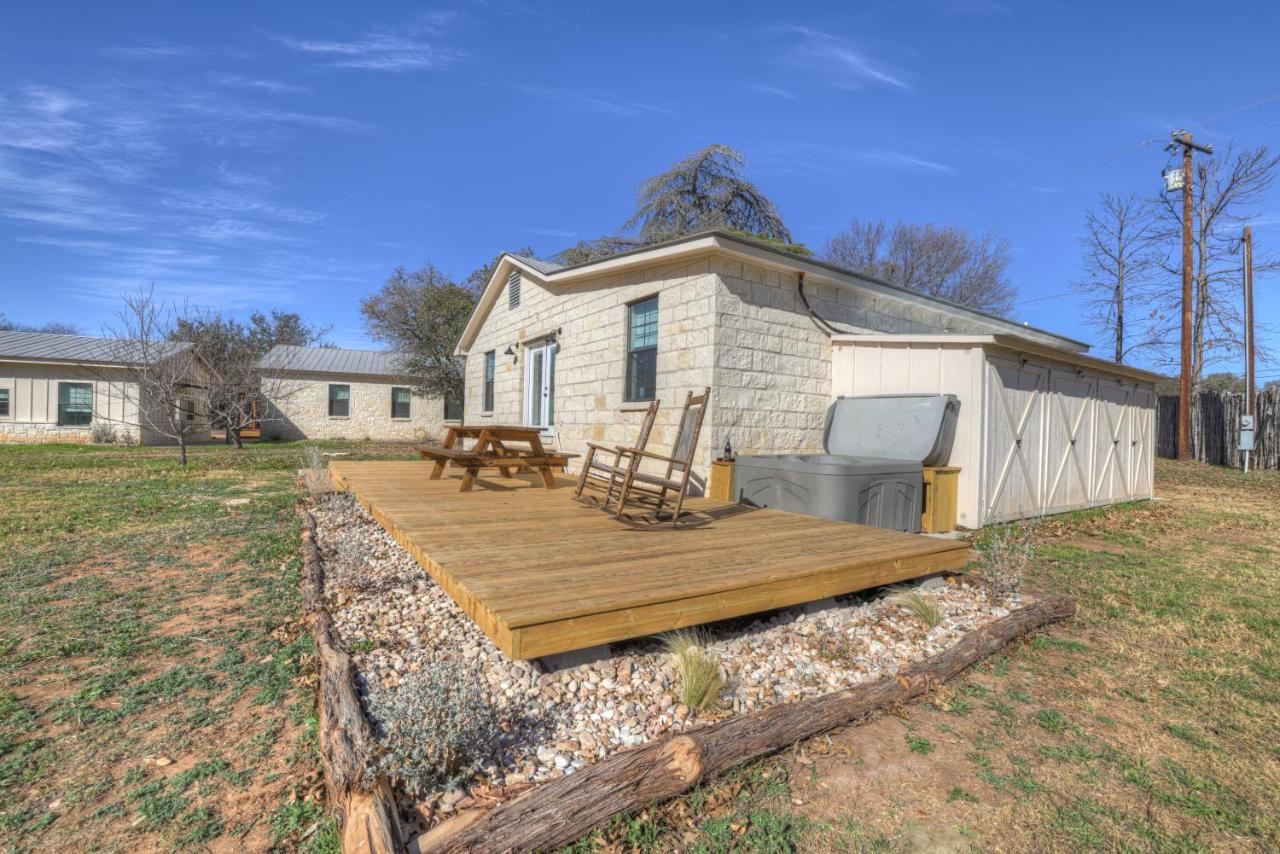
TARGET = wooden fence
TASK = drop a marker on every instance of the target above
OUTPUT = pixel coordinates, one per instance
(1215, 428)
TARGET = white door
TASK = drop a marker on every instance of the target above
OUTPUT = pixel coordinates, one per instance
(1069, 439)
(539, 386)
(1015, 439)
(1112, 449)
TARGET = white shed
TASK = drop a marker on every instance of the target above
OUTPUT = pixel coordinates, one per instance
(1041, 430)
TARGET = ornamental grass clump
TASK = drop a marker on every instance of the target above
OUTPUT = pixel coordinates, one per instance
(700, 680)
(923, 608)
(315, 472)
(1006, 551)
(435, 729)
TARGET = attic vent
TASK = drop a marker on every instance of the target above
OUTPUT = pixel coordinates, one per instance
(513, 290)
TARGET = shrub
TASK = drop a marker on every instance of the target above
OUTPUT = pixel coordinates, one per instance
(700, 680)
(102, 433)
(435, 728)
(1006, 551)
(923, 608)
(315, 472)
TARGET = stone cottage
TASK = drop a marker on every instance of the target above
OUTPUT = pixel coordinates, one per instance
(580, 350)
(57, 388)
(330, 393)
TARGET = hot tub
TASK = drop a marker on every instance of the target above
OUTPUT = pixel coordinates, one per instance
(872, 471)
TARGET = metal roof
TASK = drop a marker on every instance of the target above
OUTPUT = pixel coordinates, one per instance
(50, 347)
(543, 267)
(331, 360)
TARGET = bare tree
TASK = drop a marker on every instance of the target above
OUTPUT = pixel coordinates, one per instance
(164, 380)
(1121, 261)
(1227, 187)
(238, 392)
(705, 190)
(936, 260)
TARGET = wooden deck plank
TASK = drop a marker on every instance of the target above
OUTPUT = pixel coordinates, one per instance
(542, 573)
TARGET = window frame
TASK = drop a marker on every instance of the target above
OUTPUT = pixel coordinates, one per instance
(62, 419)
(490, 376)
(6, 402)
(408, 403)
(631, 350)
(333, 400)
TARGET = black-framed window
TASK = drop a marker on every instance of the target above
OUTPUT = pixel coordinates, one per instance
(75, 404)
(339, 401)
(188, 408)
(400, 398)
(490, 368)
(642, 349)
(4, 403)
(453, 406)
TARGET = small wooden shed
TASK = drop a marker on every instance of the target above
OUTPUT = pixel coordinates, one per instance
(1041, 430)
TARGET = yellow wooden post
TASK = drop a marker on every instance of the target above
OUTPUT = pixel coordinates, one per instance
(941, 494)
(721, 486)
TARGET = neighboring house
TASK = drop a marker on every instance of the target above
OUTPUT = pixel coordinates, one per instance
(328, 393)
(55, 388)
(580, 350)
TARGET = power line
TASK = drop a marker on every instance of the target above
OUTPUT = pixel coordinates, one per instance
(1242, 109)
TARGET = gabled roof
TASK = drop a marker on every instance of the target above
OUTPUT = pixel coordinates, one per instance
(715, 241)
(79, 349)
(331, 360)
(544, 267)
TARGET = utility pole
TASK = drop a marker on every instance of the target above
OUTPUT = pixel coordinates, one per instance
(1249, 390)
(1182, 138)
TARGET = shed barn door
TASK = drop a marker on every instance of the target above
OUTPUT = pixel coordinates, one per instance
(1014, 455)
(1142, 428)
(1069, 442)
(1113, 449)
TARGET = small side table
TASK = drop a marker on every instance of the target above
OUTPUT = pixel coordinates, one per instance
(941, 497)
(721, 486)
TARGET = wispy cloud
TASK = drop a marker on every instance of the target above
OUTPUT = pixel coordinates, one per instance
(86, 172)
(275, 87)
(897, 158)
(776, 91)
(417, 46)
(837, 60)
(592, 101)
(170, 50)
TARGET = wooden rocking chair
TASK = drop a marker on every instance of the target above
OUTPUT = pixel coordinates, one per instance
(603, 464)
(656, 492)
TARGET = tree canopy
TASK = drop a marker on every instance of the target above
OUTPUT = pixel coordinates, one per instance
(936, 260)
(56, 327)
(705, 190)
(421, 314)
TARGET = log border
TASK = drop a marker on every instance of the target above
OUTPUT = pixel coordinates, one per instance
(557, 813)
(367, 813)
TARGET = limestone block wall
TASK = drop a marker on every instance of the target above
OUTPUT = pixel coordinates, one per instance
(772, 380)
(589, 320)
(300, 410)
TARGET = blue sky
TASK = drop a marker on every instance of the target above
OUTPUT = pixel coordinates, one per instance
(291, 154)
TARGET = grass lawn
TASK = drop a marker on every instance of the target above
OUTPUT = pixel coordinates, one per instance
(1151, 722)
(157, 681)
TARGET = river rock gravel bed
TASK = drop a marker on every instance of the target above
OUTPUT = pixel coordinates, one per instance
(395, 620)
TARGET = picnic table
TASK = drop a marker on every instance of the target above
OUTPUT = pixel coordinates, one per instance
(493, 450)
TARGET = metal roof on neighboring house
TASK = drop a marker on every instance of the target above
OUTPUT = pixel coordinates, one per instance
(330, 360)
(51, 347)
(543, 267)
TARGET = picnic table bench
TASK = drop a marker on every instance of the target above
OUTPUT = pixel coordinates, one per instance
(492, 451)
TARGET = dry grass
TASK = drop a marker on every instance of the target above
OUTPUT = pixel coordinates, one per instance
(923, 608)
(1149, 722)
(700, 680)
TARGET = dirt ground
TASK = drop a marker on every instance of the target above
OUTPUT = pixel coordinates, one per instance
(1149, 722)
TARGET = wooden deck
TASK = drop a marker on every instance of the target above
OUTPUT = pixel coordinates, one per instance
(541, 573)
